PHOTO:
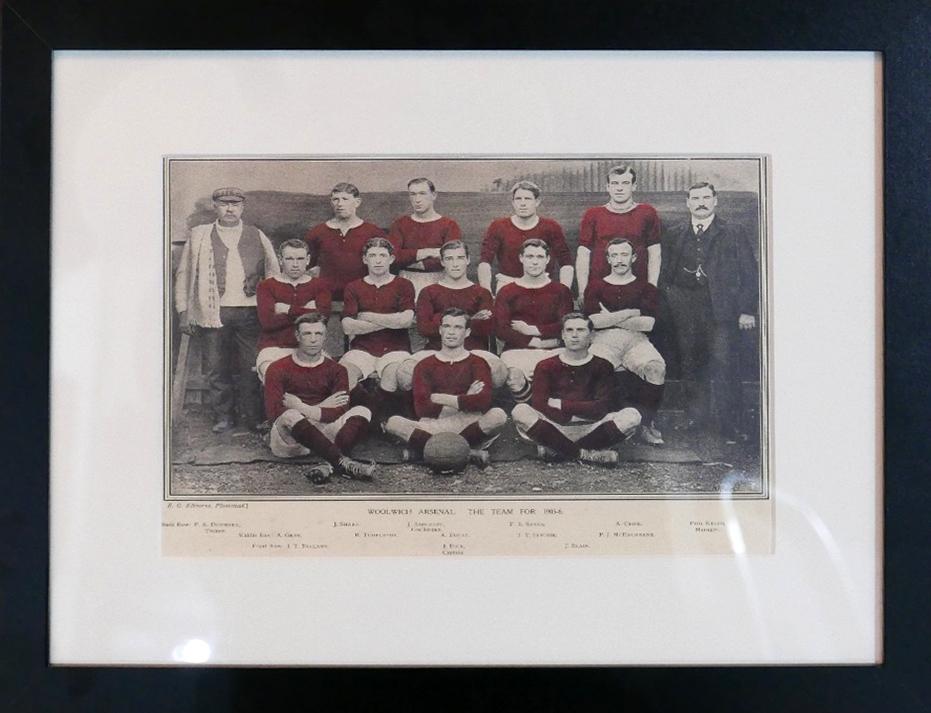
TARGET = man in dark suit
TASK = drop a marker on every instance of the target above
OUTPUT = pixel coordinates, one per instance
(710, 278)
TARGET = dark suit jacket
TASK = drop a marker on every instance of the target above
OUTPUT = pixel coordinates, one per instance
(733, 273)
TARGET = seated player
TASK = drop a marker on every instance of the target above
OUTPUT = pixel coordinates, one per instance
(454, 289)
(528, 314)
(307, 399)
(505, 236)
(419, 236)
(452, 394)
(282, 299)
(377, 311)
(570, 413)
(623, 308)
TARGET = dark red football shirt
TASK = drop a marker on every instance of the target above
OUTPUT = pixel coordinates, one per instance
(433, 375)
(434, 299)
(503, 239)
(584, 389)
(641, 226)
(638, 294)
(311, 384)
(408, 236)
(394, 296)
(278, 328)
(339, 256)
(543, 307)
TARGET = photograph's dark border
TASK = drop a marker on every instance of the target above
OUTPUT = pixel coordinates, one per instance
(899, 29)
(763, 242)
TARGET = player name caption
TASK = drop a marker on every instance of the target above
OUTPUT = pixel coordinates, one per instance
(454, 529)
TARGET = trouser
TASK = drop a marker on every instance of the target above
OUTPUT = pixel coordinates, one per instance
(707, 359)
(230, 348)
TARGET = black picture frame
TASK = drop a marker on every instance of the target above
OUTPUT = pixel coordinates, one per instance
(900, 30)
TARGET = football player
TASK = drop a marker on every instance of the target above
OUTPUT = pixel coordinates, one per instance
(452, 394)
(623, 308)
(528, 314)
(620, 217)
(307, 401)
(570, 413)
(505, 236)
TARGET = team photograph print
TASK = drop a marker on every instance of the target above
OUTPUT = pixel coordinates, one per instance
(577, 327)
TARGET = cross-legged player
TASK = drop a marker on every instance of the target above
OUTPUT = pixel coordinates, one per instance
(307, 401)
(528, 314)
(623, 308)
(377, 312)
(452, 394)
(505, 236)
(570, 414)
(281, 299)
(455, 289)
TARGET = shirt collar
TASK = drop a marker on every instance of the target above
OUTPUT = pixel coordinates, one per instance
(704, 222)
(442, 357)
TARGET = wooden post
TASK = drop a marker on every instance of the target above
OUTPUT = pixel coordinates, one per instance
(179, 384)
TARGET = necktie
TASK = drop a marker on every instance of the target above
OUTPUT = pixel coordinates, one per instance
(699, 229)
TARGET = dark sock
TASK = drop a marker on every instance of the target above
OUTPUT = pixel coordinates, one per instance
(473, 434)
(309, 436)
(360, 396)
(649, 397)
(605, 436)
(418, 440)
(551, 437)
(350, 433)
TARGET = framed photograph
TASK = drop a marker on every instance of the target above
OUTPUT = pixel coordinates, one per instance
(234, 512)
(844, 201)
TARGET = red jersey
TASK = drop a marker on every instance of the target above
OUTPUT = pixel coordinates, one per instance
(584, 389)
(434, 375)
(434, 299)
(638, 294)
(340, 256)
(389, 298)
(503, 240)
(408, 236)
(543, 307)
(311, 384)
(278, 327)
(641, 226)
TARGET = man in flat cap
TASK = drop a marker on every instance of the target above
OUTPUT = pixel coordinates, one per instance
(215, 288)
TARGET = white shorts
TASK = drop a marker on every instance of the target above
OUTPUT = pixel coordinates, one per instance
(627, 421)
(267, 356)
(625, 349)
(448, 424)
(526, 360)
(282, 443)
(369, 364)
(420, 279)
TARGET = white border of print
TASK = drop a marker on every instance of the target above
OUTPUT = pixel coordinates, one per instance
(114, 599)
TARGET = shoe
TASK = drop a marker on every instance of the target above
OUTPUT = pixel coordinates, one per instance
(479, 457)
(408, 456)
(487, 443)
(320, 474)
(650, 434)
(224, 424)
(548, 455)
(261, 428)
(355, 470)
(598, 457)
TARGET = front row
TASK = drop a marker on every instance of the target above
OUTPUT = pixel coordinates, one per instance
(571, 412)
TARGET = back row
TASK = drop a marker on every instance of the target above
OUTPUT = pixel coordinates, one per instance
(336, 245)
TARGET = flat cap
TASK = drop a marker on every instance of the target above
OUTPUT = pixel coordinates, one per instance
(229, 193)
